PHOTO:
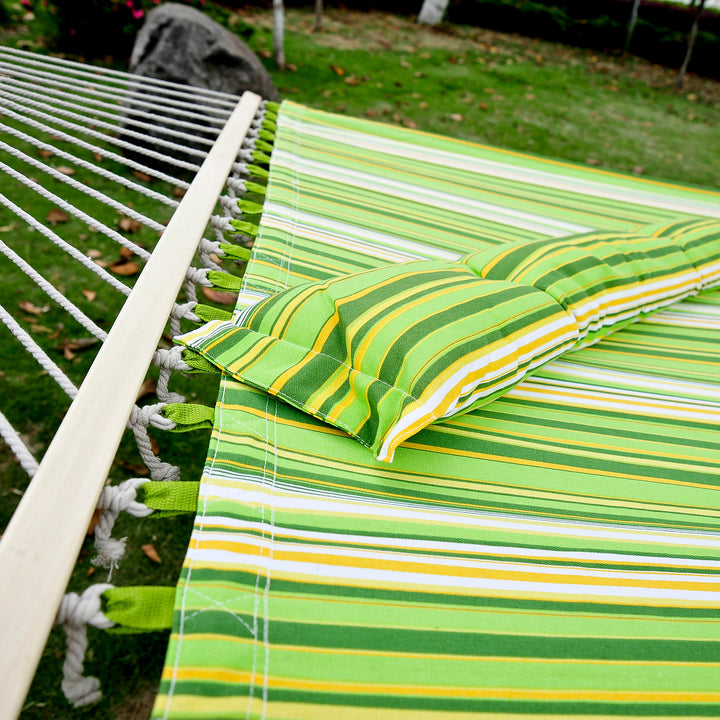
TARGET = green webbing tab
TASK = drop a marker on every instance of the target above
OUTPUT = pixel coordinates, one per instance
(248, 207)
(257, 171)
(260, 157)
(169, 498)
(189, 416)
(253, 187)
(207, 313)
(247, 228)
(195, 360)
(264, 146)
(236, 252)
(140, 608)
(266, 135)
(272, 106)
(224, 280)
(269, 125)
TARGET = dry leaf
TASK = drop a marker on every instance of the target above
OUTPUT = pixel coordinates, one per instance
(129, 225)
(121, 267)
(126, 253)
(98, 157)
(93, 522)
(337, 70)
(7, 228)
(142, 176)
(264, 53)
(405, 64)
(592, 161)
(56, 216)
(221, 297)
(351, 80)
(371, 113)
(407, 122)
(45, 153)
(147, 388)
(151, 553)
(28, 307)
(41, 329)
(154, 446)
(135, 469)
(179, 192)
(90, 295)
(638, 170)
(456, 117)
(65, 170)
(423, 105)
(102, 263)
(291, 67)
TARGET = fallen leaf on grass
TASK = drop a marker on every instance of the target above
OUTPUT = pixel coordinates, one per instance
(135, 469)
(129, 225)
(123, 267)
(638, 170)
(456, 117)
(337, 70)
(351, 80)
(142, 176)
(98, 157)
(70, 347)
(93, 522)
(592, 161)
(151, 552)
(221, 297)
(90, 295)
(28, 307)
(41, 329)
(147, 388)
(65, 170)
(56, 216)
(265, 53)
(179, 192)
(45, 153)
(7, 228)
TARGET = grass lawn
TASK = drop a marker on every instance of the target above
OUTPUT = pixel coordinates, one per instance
(510, 91)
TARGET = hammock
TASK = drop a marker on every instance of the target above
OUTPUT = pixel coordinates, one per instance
(552, 552)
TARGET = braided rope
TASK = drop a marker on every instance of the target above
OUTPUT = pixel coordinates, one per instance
(95, 149)
(31, 108)
(18, 448)
(115, 499)
(75, 614)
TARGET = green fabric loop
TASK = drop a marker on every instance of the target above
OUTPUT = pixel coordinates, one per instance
(252, 187)
(207, 313)
(189, 416)
(266, 135)
(269, 125)
(224, 281)
(140, 608)
(169, 498)
(245, 227)
(260, 157)
(248, 207)
(272, 106)
(258, 171)
(236, 252)
(264, 146)
(196, 361)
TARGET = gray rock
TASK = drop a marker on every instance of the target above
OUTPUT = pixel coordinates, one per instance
(180, 44)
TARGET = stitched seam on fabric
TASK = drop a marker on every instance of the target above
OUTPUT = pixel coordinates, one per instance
(186, 586)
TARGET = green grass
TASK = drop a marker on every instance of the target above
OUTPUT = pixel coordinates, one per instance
(517, 93)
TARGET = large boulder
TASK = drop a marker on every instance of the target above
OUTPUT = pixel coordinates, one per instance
(181, 44)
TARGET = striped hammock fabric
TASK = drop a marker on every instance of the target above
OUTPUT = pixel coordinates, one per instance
(553, 553)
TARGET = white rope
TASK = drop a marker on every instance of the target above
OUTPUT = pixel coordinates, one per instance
(162, 103)
(27, 462)
(69, 249)
(30, 107)
(38, 353)
(54, 97)
(115, 499)
(102, 172)
(91, 192)
(52, 292)
(140, 419)
(95, 149)
(111, 76)
(75, 614)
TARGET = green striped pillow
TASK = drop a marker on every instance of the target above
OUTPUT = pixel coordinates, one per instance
(383, 353)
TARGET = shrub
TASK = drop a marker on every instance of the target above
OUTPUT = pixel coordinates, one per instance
(101, 28)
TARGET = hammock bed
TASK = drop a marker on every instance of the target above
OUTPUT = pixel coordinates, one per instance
(553, 553)
(546, 544)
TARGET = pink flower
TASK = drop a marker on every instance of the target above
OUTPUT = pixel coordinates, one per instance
(137, 14)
